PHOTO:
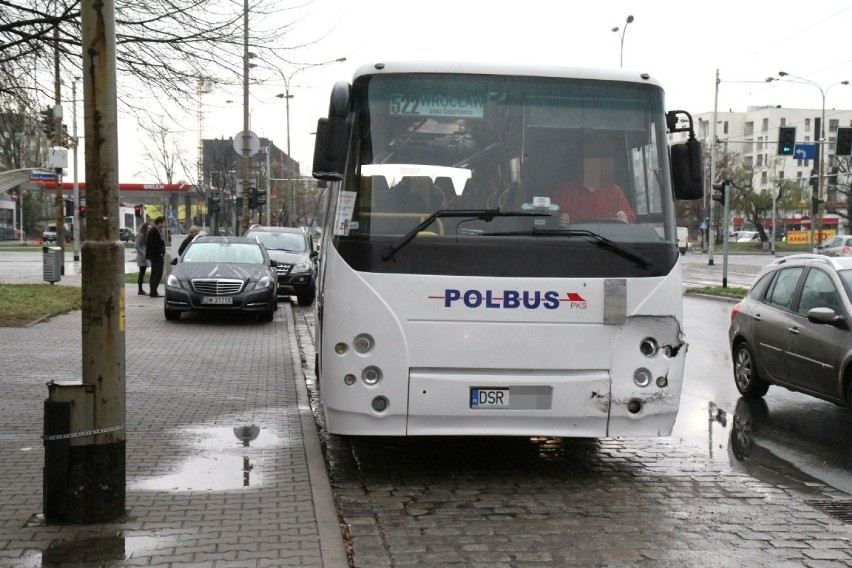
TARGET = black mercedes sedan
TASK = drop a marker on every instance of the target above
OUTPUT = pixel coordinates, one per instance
(222, 274)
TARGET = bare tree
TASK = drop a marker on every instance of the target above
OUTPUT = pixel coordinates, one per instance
(163, 47)
(162, 152)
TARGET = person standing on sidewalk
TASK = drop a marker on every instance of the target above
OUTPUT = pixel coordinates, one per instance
(155, 251)
(142, 262)
(193, 232)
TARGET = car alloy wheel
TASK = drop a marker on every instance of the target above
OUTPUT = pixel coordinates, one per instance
(746, 376)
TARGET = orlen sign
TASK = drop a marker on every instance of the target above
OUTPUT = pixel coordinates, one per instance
(169, 187)
(511, 299)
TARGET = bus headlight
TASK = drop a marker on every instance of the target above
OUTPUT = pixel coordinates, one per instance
(349, 379)
(363, 343)
(642, 377)
(371, 375)
(340, 348)
(649, 347)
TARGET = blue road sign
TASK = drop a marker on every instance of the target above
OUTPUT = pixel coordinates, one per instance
(804, 151)
(42, 177)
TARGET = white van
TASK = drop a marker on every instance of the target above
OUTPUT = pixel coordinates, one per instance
(682, 239)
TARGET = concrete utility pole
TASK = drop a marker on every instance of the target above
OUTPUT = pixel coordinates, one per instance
(85, 443)
(242, 212)
(59, 201)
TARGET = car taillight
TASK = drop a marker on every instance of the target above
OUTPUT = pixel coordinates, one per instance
(846, 250)
(735, 310)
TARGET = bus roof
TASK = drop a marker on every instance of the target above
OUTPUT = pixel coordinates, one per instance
(481, 68)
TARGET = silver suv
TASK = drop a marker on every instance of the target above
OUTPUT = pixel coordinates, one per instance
(793, 329)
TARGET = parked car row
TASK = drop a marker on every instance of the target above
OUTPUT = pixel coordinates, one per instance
(244, 274)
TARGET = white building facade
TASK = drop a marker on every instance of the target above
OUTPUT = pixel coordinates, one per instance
(754, 134)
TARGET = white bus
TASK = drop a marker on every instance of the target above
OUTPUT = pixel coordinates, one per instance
(462, 291)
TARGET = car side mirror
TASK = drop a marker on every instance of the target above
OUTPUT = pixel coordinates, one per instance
(174, 261)
(827, 316)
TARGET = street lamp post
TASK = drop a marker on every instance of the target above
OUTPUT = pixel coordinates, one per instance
(287, 96)
(821, 143)
(623, 31)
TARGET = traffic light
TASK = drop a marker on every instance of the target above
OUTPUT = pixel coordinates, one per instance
(48, 126)
(137, 211)
(719, 192)
(786, 140)
(213, 202)
(844, 142)
(261, 198)
(815, 201)
(82, 212)
(253, 198)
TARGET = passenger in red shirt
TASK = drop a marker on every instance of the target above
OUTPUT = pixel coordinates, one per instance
(599, 197)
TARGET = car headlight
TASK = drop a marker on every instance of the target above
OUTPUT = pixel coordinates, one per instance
(172, 281)
(263, 283)
(301, 267)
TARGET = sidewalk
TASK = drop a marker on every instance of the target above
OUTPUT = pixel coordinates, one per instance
(196, 494)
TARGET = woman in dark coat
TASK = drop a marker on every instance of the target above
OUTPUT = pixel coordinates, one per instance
(141, 261)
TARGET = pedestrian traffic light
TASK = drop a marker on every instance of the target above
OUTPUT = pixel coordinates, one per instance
(718, 192)
(82, 211)
(137, 211)
(253, 198)
(844, 142)
(786, 140)
(815, 201)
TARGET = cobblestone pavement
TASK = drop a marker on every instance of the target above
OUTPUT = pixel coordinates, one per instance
(500, 502)
(196, 495)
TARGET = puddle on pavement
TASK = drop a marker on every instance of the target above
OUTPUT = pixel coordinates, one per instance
(227, 458)
(95, 551)
(746, 439)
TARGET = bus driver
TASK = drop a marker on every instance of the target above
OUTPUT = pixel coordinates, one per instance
(599, 196)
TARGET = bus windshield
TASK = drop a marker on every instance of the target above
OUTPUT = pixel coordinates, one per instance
(566, 154)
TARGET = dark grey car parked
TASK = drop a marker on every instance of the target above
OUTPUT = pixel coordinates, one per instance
(793, 329)
(222, 274)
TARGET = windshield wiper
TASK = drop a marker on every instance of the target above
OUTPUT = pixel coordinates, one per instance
(603, 242)
(481, 214)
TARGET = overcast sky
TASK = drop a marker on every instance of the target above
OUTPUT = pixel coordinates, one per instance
(683, 47)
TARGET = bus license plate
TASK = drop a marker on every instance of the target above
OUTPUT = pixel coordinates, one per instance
(489, 398)
(217, 300)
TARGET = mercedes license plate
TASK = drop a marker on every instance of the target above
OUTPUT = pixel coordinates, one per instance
(489, 398)
(217, 300)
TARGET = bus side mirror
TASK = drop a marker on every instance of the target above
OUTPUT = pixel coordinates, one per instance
(332, 137)
(329, 150)
(687, 171)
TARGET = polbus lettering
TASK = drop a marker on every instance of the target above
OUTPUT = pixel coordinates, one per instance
(509, 299)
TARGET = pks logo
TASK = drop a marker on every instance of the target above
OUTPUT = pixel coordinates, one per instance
(511, 299)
